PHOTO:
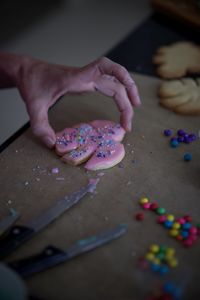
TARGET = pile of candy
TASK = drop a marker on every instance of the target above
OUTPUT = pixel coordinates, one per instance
(168, 291)
(159, 259)
(181, 228)
(181, 137)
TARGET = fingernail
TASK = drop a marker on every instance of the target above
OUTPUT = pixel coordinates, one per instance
(129, 127)
(138, 100)
(49, 142)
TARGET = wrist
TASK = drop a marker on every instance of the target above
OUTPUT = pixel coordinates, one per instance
(10, 69)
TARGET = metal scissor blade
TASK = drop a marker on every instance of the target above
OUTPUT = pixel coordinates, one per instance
(52, 256)
(17, 235)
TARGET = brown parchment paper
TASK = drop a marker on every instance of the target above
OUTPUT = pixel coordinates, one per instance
(150, 168)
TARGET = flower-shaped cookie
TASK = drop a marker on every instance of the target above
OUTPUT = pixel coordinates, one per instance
(97, 142)
(177, 60)
(181, 96)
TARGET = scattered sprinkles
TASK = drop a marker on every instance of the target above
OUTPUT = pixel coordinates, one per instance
(60, 178)
(120, 165)
(55, 171)
(101, 174)
(139, 216)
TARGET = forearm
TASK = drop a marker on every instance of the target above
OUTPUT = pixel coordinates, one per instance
(10, 65)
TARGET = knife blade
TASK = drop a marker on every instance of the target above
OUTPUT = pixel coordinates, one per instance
(52, 256)
(19, 234)
(8, 221)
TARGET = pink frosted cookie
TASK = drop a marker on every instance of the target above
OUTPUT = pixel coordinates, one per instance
(79, 155)
(66, 141)
(106, 156)
(98, 143)
(113, 130)
(71, 138)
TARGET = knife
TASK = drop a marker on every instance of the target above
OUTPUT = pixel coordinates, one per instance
(8, 221)
(52, 256)
(19, 234)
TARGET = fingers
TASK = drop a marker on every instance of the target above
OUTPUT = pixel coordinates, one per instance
(111, 88)
(106, 66)
(41, 127)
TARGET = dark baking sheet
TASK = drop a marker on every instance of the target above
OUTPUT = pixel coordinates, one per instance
(136, 50)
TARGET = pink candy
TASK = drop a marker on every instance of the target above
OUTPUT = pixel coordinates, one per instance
(146, 205)
(181, 221)
(162, 219)
(193, 230)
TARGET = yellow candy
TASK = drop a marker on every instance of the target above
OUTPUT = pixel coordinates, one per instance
(173, 263)
(150, 256)
(174, 232)
(170, 251)
(176, 225)
(170, 218)
(154, 248)
(144, 200)
(169, 258)
(156, 261)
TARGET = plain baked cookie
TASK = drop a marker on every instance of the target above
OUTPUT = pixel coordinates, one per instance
(181, 96)
(177, 60)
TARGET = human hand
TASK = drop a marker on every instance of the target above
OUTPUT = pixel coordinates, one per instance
(41, 84)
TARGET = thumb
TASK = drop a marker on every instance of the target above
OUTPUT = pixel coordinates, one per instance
(41, 127)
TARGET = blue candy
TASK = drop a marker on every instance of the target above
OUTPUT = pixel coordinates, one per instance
(155, 267)
(174, 143)
(168, 224)
(184, 233)
(163, 270)
(187, 225)
(187, 157)
(167, 132)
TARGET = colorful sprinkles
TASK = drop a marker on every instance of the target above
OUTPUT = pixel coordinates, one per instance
(85, 136)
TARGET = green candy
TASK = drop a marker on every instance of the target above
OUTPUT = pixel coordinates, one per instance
(161, 210)
(162, 249)
(161, 255)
